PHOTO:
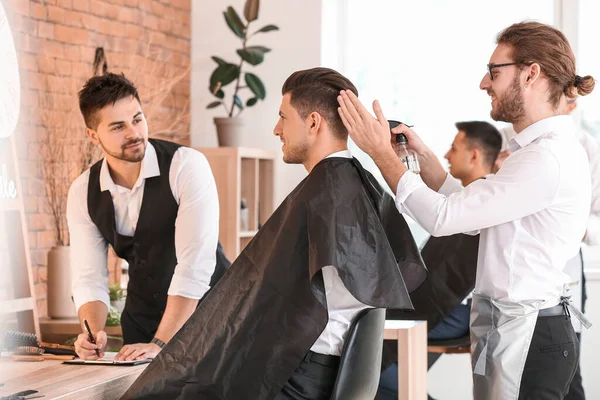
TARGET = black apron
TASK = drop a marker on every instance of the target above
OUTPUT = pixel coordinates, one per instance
(150, 252)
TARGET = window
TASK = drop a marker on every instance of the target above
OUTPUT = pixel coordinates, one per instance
(423, 60)
(588, 63)
(424, 67)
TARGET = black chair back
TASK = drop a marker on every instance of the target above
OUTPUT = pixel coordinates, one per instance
(360, 362)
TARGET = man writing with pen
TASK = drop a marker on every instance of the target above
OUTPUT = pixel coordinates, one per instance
(155, 203)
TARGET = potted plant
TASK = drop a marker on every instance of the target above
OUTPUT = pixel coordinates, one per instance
(229, 128)
(117, 297)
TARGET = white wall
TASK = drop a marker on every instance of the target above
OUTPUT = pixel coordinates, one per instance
(297, 45)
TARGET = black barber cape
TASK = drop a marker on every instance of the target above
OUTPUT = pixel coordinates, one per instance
(451, 263)
(251, 332)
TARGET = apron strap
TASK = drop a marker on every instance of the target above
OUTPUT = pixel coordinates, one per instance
(571, 309)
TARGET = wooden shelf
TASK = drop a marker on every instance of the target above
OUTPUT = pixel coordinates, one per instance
(248, 234)
(17, 305)
(241, 173)
(71, 327)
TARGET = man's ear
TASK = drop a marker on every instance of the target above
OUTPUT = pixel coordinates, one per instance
(92, 135)
(315, 122)
(572, 107)
(533, 73)
(476, 155)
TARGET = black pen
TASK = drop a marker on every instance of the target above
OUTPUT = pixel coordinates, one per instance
(87, 328)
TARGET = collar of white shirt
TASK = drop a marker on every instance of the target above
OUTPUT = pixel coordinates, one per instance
(559, 123)
(343, 154)
(149, 169)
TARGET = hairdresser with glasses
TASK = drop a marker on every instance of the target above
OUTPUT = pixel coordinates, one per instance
(531, 215)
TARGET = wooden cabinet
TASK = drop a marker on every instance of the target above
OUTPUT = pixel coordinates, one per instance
(241, 173)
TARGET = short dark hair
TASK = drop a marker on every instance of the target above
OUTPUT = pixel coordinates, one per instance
(100, 91)
(317, 89)
(484, 136)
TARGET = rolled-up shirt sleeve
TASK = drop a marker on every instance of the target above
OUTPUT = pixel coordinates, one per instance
(196, 226)
(525, 184)
(88, 249)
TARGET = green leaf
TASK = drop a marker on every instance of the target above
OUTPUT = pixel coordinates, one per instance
(252, 101)
(225, 74)
(268, 28)
(253, 55)
(234, 22)
(214, 104)
(219, 61)
(252, 58)
(262, 49)
(251, 10)
(238, 102)
(220, 94)
(256, 85)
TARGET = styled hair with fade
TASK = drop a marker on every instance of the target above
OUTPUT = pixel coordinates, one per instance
(100, 91)
(316, 90)
(484, 136)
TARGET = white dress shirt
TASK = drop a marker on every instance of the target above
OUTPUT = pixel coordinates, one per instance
(592, 233)
(531, 215)
(591, 145)
(342, 306)
(196, 226)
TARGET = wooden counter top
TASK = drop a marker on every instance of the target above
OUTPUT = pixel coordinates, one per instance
(56, 380)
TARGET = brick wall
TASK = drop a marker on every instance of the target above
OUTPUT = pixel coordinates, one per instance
(149, 40)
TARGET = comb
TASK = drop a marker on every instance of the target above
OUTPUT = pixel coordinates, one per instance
(27, 343)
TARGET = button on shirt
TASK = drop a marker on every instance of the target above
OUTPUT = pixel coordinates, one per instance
(531, 215)
(196, 226)
(342, 306)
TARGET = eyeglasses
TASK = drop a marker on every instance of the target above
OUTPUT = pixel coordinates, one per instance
(492, 66)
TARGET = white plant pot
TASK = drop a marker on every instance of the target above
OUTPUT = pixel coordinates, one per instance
(118, 304)
(229, 131)
(60, 303)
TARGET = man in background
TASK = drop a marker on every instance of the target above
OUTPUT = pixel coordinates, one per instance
(472, 156)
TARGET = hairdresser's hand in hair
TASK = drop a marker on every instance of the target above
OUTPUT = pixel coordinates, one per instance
(372, 135)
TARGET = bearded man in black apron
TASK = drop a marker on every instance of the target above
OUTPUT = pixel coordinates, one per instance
(155, 202)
